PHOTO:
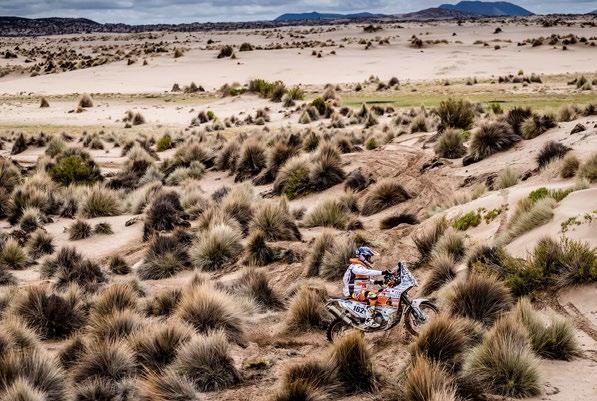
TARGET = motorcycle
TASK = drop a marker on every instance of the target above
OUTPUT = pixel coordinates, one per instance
(393, 304)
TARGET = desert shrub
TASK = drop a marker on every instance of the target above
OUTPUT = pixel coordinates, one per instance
(206, 309)
(588, 169)
(255, 285)
(443, 270)
(536, 125)
(356, 181)
(490, 138)
(451, 243)
(427, 381)
(112, 361)
(103, 228)
(164, 258)
(167, 386)
(164, 143)
(31, 219)
(79, 230)
(85, 101)
(251, 160)
(156, 348)
(426, 240)
(55, 146)
(327, 213)
(100, 202)
(503, 363)
(218, 247)
(449, 145)
(117, 265)
(550, 151)
(226, 51)
(276, 222)
(206, 361)
(567, 112)
(506, 178)
(539, 213)
(352, 364)
(320, 245)
(395, 220)
(163, 303)
(193, 172)
(336, 258)
(482, 298)
(116, 297)
(165, 213)
(570, 165)
(86, 274)
(516, 116)
(75, 167)
(326, 169)
(383, 195)
(467, 220)
(259, 253)
(118, 325)
(293, 178)
(555, 340)
(306, 312)
(19, 145)
(455, 114)
(296, 93)
(12, 255)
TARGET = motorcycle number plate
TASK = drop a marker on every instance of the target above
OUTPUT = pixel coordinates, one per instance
(359, 309)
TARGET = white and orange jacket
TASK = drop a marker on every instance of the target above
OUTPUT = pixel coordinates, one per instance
(357, 277)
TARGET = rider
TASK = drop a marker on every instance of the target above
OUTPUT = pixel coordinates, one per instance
(357, 276)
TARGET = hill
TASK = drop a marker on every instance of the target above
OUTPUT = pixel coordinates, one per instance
(436, 13)
(315, 16)
(489, 9)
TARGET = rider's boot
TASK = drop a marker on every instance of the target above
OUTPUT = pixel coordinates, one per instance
(370, 321)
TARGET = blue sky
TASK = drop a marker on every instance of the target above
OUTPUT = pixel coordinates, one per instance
(176, 11)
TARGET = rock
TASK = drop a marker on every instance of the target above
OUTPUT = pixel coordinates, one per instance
(578, 128)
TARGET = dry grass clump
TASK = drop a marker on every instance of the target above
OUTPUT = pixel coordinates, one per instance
(489, 138)
(516, 116)
(255, 285)
(336, 258)
(220, 246)
(39, 244)
(506, 178)
(481, 298)
(259, 253)
(275, 221)
(503, 363)
(443, 270)
(164, 258)
(455, 114)
(12, 255)
(526, 217)
(85, 101)
(570, 165)
(327, 213)
(102, 389)
(450, 244)
(357, 181)
(251, 160)
(164, 303)
(79, 230)
(118, 265)
(588, 169)
(306, 311)
(70, 267)
(100, 202)
(326, 170)
(165, 213)
(157, 347)
(31, 219)
(116, 297)
(52, 315)
(555, 340)
(325, 241)
(298, 391)
(167, 386)
(426, 240)
(43, 103)
(120, 324)
(113, 361)
(395, 220)
(550, 151)
(75, 166)
(536, 125)
(206, 309)
(383, 195)
(450, 145)
(427, 381)
(352, 364)
(206, 361)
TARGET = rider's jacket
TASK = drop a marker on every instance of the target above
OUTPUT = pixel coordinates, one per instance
(357, 276)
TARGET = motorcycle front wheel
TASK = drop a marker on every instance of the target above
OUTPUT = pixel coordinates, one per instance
(336, 329)
(411, 322)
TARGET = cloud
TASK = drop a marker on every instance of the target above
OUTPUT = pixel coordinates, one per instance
(176, 11)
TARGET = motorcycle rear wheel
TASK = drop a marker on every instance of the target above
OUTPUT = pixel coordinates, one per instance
(410, 321)
(336, 329)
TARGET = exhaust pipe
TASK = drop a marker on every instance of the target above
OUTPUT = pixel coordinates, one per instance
(339, 314)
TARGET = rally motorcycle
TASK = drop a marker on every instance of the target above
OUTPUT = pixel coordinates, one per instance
(392, 305)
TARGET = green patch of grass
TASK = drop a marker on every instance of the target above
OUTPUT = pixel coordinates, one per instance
(466, 221)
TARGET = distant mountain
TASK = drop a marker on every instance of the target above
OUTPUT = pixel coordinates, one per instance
(593, 12)
(436, 13)
(13, 26)
(315, 16)
(489, 9)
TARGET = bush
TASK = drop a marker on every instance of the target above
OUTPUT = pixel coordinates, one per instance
(352, 364)
(570, 165)
(86, 274)
(555, 340)
(85, 101)
(163, 303)
(506, 178)
(107, 360)
(336, 258)
(326, 169)
(275, 221)
(118, 325)
(427, 381)
(255, 285)
(19, 145)
(117, 297)
(467, 220)
(206, 361)
(55, 147)
(52, 315)
(327, 213)
(226, 51)
(75, 168)
(156, 348)
(79, 230)
(588, 169)
(426, 240)
(118, 265)
(538, 214)
(443, 270)
(504, 364)
(164, 143)
(481, 298)
(217, 248)
(251, 160)
(259, 253)
(167, 386)
(100, 202)
(164, 258)
(383, 195)
(455, 114)
(449, 145)
(325, 241)
(306, 311)
(550, 151)
(293, 178)
(206, 309)
(516, 116)
(490, 138)
(164, 214)
(451, 243)
(103, 228)
(536, 125)
(12, 255)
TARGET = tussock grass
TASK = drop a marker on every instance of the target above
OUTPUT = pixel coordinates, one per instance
(102, 389)
(298, 391)
(220, 246)
(113, 298)
(313, 372)
(40, 243)
(79, 230)
(426, 239)
(69, 267)
(52, 315)
(113, 361)
(451, 244)
(118, 265)
(206, 309)
(555, 340)
(481, 298)
(443, 270)
(100, 202)
(167, 386)
(536, 215)
(157, 347)
(85, 101)
(588, 169)
(163, 303)
(570, 165)
(13, 256)
(336, 258)
(164, 214)
(489, 138)
(383, 195)
(206, 361)
(550, 151)
(306, 311)
(326, 169)
(351, 361)
(503, 363)
(506, 178)
(327, 213)
(357, 181)
(450, 145)
(251, 160)
(427, 381)
(324, 242)
(118, 325)
(164, 258)
(275, 221)
(259, 253)
(516, 116)
(537, 125)
(455, 113)
(75, 166)
(396, 220)
(256, 286)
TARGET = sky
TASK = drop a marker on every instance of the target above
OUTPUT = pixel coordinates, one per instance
(178, 11)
